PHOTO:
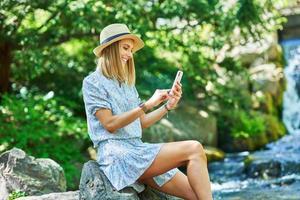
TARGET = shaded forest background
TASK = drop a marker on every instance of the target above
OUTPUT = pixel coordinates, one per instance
(46, 51)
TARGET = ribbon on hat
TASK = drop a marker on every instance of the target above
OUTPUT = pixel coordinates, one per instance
(112, 37)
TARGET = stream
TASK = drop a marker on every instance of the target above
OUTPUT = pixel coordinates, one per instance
(274, 172)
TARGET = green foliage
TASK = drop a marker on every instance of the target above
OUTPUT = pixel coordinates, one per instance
(51, 43)
(248, 160)
(275, 128)
(248, 124)
(16, 194)
(43, 126)
(241, 130)
(242, 124)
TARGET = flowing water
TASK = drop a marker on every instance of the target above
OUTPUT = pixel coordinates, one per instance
(291, 101)
(272, 173)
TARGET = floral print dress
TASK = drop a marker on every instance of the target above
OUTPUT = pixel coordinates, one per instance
(122, 156)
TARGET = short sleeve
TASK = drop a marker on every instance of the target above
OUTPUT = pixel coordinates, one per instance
(137, 95)
(94, 97)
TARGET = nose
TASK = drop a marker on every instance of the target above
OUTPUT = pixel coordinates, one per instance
(129, 54)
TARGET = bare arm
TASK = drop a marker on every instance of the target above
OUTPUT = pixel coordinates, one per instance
(152, 117)
(114, 122)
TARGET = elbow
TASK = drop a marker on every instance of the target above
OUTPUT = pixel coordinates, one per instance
(144, 125)
(110, 127)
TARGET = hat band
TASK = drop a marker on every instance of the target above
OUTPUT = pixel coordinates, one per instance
(112, 37)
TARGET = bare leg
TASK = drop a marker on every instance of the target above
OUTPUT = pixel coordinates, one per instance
(197, 169)
(178, 186)
(175, 154)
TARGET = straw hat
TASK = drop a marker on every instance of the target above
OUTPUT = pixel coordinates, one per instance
(116, 32)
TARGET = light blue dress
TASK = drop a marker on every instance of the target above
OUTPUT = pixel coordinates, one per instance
(122, 156)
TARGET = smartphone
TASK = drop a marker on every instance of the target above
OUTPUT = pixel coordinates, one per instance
(177, 79)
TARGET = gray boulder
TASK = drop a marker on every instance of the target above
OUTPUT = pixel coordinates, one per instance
(259, 52)
(267, 78)
(280, 159)
(147, 194)
(184, 123)
(95, 186)
(152, 194)
(20, 172)
(71, 195)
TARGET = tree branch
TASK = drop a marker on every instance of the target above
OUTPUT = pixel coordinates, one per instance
(66, 38)
(55, 13)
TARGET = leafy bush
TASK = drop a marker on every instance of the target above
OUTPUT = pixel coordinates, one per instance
(237, 123)
(248, 124)
(16, 194)
(43, 127)
(275, 128)
(242, 130)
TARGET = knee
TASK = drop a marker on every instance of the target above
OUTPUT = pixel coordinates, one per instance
(190, 195)
(197, 150)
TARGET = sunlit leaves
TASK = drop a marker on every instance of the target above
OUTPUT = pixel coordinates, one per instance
(43, 126)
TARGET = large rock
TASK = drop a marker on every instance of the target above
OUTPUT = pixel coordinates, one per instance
(268, 85)
(71, 195)
(184, 123)
(282, 158)
(267, 78)
(258, 52)
(95, 186)
(20, 172)
(74, 195)
(152, 194)
(272, 173)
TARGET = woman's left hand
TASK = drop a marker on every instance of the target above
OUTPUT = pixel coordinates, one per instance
(174, 96)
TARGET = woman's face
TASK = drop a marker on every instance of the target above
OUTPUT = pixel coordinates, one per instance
(126, 46)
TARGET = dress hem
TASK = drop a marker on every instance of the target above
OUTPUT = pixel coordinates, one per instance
(142, 171)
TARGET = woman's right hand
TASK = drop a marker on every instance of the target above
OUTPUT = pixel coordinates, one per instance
(157, 98)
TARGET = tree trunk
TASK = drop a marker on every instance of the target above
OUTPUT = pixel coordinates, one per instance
(5, 62)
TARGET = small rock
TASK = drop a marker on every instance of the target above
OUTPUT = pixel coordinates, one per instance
(214, 154)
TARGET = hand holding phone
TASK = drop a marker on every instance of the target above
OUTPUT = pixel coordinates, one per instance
(177, 79)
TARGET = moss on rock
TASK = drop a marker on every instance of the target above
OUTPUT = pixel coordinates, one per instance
(214, 154)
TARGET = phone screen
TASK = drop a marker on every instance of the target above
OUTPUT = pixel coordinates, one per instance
(177, 79)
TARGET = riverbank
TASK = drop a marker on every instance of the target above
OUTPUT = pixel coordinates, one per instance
(272, 173)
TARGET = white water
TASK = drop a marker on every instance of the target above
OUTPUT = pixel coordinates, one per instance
(229, 177)
(291, 98)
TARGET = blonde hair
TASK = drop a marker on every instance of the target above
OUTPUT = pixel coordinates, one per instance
(111, 66)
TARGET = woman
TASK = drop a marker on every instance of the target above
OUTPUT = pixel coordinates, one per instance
(116, 116)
